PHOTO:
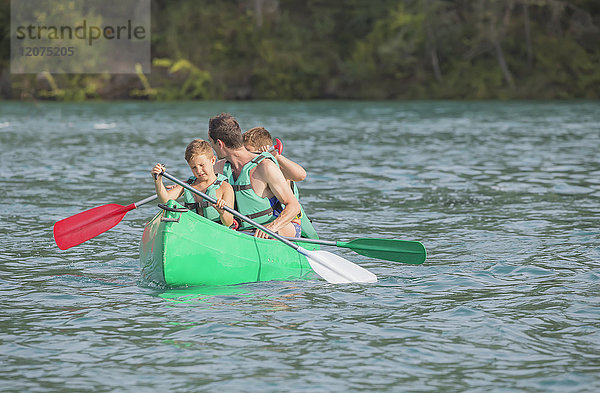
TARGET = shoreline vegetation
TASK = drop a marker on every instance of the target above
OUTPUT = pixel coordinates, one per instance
(356, 49)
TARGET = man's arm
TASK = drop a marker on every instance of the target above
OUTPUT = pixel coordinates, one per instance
(269, 173)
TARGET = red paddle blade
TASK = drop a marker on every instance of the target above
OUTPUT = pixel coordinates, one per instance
(278, 145)
(81, 227)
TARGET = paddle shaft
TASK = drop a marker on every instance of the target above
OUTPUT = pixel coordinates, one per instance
(348, 244)
(235, 213)
(145, 200)
(314, 241)
(403, 251)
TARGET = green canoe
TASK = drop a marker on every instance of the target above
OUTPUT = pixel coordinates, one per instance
(181, 248)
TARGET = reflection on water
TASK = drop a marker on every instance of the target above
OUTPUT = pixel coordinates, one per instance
(504, 195)
(203, 293)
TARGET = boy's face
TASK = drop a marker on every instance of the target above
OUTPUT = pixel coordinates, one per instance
(202, 166)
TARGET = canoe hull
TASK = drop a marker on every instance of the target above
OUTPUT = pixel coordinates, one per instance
(184, 249)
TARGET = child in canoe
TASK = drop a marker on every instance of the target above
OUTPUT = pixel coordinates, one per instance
(200, 157)
(258, 140)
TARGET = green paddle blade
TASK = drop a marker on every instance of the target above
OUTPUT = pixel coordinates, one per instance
(404, 251)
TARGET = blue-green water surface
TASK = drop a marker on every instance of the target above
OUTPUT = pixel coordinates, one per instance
(504, 195)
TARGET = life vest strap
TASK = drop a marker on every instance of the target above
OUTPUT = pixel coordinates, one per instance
(260, 214)
(192, 206)
(257, 160)
(241, 187)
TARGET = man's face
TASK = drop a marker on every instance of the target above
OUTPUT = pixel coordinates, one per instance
(216, 148)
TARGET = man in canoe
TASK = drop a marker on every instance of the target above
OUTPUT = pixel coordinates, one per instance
(201, 159)
(259, 139)
(255, 178)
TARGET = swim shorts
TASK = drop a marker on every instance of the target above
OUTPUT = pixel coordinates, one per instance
(298, 228)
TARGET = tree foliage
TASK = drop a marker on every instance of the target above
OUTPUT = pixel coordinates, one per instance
(360, 49)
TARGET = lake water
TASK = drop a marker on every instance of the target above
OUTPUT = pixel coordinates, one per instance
(504, 195)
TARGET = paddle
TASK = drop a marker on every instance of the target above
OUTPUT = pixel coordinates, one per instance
(83, 226)
(403, 251)
(277, 146)
(331, 267)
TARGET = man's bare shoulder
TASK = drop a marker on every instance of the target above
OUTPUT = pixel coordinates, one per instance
(267, 165)
(266, 169)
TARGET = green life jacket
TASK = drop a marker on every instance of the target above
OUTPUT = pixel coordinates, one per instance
(247, 201)
(204, 207)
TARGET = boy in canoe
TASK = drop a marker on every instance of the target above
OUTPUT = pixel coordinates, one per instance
(255, 179)
(257, 140)
(201, 159)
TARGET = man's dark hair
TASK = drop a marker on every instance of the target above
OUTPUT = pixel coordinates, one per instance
(227, 129)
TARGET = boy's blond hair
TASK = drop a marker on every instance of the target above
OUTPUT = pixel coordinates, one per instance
(197, 147)
(257, 137)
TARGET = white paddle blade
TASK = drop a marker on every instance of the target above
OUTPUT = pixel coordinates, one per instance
(336, 269)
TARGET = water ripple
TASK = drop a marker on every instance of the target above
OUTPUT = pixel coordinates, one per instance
(503, 195)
